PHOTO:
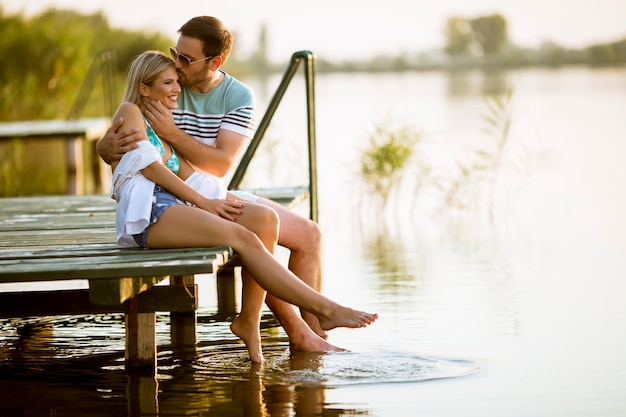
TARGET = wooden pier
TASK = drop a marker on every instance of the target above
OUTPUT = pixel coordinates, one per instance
(79, 136)
(71, 237)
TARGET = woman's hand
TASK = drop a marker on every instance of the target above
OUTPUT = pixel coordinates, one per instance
(226, 209)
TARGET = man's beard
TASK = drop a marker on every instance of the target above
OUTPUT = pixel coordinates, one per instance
(182, 78)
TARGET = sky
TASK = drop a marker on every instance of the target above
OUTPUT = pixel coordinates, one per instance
(358, 29)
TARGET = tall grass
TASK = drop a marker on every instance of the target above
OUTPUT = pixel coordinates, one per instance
(384, 164)
(481, 180)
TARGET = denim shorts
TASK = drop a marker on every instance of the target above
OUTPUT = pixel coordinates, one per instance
(161, 201)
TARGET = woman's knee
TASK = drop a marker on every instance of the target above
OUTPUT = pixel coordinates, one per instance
(264, 223)
(269, 218)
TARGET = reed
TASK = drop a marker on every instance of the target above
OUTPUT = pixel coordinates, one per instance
(383, 165)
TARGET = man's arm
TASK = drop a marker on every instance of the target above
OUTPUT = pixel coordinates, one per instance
(217, 160)
(115, 143)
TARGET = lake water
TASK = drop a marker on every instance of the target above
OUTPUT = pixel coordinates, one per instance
(520, 315)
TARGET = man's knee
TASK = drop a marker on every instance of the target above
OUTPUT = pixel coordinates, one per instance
(313, 232)
(306, 235)
(296, 232)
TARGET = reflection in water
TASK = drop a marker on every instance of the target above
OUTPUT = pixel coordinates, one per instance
(388, 258)
(215, 379)
(465, 83)
(142, 392)
(449, 274)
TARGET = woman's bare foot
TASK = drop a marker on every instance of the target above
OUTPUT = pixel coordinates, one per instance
(342, 316)
(249, 332)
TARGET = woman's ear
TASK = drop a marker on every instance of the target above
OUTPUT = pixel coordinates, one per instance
(143, 90)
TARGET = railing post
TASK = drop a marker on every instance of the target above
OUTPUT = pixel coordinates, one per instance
(309, 72)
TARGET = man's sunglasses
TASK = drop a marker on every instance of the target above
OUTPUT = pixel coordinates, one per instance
(186, 61)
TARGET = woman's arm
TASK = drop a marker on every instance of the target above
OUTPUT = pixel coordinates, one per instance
(160, 174)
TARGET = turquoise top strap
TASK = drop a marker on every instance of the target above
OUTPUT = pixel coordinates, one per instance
(173, 163)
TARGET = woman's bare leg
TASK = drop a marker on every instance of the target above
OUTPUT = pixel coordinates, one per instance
(303, 238)
(264, 223)
(184, 226)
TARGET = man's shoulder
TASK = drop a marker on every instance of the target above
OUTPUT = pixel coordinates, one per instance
(236, 86)
(235, 94)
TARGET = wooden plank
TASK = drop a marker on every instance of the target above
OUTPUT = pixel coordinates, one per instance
(50, 237)
(281, 195)
(91, 128)
(172, 298)
(116, 291)
(74, 249)
(104, 203)
(98, 249)
(56, 221)
(57, 204)
(116, 265)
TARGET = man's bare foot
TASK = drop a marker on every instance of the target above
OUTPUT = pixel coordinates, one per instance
(251, 335)
(314, 324)
(346, 317)
(308, 341)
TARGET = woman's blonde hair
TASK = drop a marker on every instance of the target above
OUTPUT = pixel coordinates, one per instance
(143, 70)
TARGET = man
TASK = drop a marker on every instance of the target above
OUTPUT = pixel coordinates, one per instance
(210, 127)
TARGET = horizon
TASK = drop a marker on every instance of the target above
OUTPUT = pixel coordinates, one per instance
(350, 26)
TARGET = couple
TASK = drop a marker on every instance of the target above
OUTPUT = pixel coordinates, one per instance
(151, 176)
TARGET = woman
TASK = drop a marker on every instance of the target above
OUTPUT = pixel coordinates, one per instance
(149, 186)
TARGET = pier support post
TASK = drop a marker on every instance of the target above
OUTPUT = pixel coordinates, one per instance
(140, 337)
(226, 297)
(183, 332)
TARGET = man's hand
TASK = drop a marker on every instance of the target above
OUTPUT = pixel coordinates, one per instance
(116, 143)
(161, 119)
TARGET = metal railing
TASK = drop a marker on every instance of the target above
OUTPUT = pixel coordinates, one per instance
(103, 64)
(309, 76)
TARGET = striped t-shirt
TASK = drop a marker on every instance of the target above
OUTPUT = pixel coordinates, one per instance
(229, 106)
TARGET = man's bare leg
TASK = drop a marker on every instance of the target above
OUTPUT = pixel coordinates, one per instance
(303, 238)
(301, 337)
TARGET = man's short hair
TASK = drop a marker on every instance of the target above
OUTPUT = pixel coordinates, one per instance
(215, 38)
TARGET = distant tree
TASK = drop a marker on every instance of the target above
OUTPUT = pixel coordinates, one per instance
(458, 36)
(490, 32)
(607, 54)
(46, 59)
(550, 54)
(485, 35)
